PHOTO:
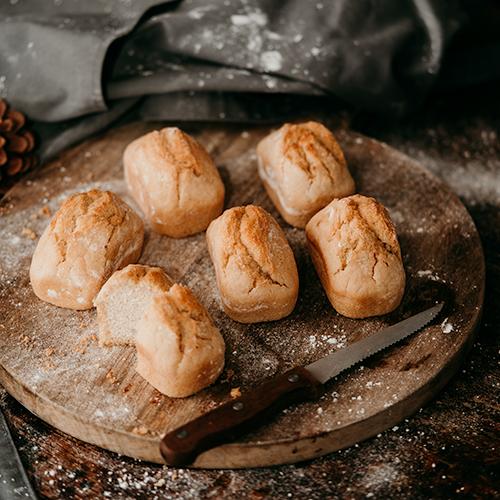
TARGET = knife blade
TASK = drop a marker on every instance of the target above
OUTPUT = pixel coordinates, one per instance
(14, 482)
(181, 446)
(330, 366)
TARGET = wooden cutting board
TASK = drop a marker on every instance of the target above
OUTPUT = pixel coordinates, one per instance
(50, 360)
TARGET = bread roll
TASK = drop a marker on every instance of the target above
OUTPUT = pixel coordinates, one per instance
(174, 181)
(179, 350)
(123, 299)
(303, 168)
(356, 253)
(92, 235)
(254, 265)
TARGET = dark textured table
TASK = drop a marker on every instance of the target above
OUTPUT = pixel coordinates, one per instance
(448, 449)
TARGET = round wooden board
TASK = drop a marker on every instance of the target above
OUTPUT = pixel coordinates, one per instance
(51, 362)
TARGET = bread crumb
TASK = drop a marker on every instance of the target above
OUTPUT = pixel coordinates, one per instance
(140, 430)
(49, 351)
(49, 365)
(111, 377)
(235, 392)
(27, 342)
(127, 388)
(29, 233)
(82, 345)
(45, 211)
(42, 212)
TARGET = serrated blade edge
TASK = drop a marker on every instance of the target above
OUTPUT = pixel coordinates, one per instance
(330, 366)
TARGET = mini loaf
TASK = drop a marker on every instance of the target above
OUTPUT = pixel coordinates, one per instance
(174, 181)
(179, 350)
(303, 168)
(254, 265)
(124, 298)
(356, 253)
(92, 235)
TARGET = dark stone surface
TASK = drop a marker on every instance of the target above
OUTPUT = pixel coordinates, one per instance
(448, 449)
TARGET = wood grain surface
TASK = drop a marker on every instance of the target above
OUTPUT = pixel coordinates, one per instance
(49, 359)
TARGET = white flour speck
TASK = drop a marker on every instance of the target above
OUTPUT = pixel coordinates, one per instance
(446, 326)
(271, 60)
(257, 17)
(3, 86)
(427, 273)
(270, 82)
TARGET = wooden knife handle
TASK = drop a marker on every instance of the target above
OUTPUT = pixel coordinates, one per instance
(182, 445)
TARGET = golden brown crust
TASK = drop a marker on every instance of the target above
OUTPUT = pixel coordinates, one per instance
(303, 168)
(91, 235)
(174, 181)
(309, 144)
(254, 265)
(155, 276)
(354, 247)
(179, 349)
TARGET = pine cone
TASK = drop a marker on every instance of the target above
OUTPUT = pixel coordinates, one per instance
(16, 146)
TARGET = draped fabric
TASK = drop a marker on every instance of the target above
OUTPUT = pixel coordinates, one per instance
(75, 66)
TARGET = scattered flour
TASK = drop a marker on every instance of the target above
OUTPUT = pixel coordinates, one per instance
(260, 350)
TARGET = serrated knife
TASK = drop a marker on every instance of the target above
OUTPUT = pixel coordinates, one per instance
(182, 445)
(14, 482)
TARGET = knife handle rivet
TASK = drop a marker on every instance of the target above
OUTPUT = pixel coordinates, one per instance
(238, 406)
(293, 377)
(182, 434)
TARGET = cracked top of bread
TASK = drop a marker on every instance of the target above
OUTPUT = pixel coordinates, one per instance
(179, 349)
(311, 141)
(92, 235)
(303, 169)
(253, 261)
(135, 273)
(174, 181)
(356, 252)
